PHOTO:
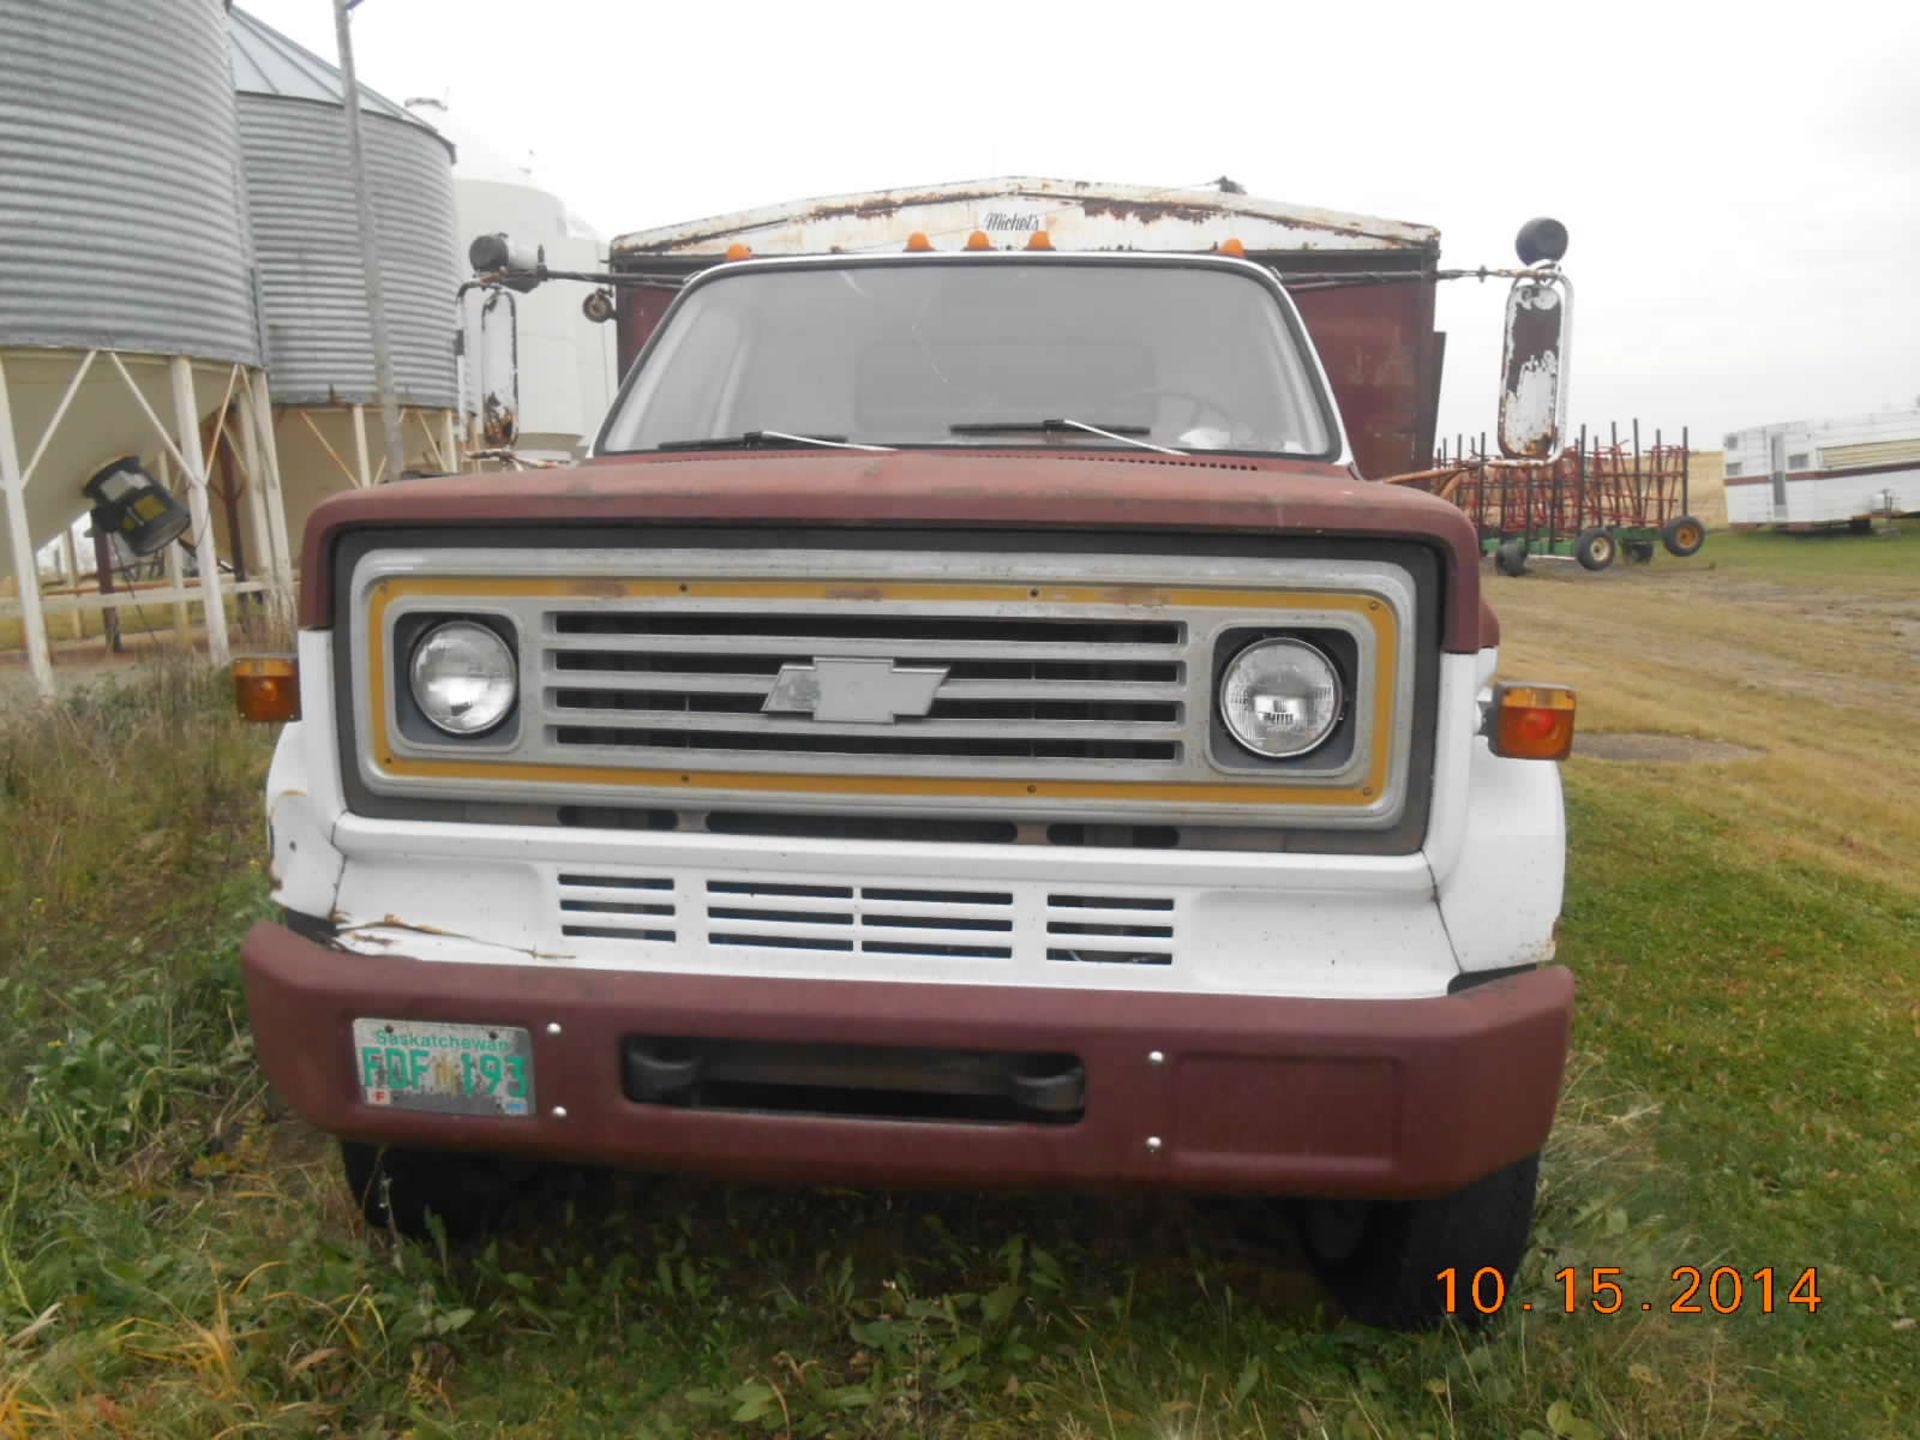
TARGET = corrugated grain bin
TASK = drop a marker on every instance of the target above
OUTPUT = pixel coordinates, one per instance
(306, 234)
(313, 295)
(121, 230)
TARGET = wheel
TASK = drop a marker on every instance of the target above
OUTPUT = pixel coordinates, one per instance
(1683, 536)
(1381, 1258)
(398, 1189)
(1860, 525)
(1594, 548)
(1510, 557)
(1640, 552)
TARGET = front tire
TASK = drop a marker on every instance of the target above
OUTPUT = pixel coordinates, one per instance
(1510, 558)
(1381, 1258)
(397, 1189)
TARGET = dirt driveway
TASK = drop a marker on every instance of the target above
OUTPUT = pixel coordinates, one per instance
(1817, 680)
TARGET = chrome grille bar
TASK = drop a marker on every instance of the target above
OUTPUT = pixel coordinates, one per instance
(1024, 686)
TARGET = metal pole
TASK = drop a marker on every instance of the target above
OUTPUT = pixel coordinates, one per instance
(176, 572)
(103, 579)
(267, 566)
(26, 578)
(206, 554)
(70, 558)
(365, 478)
(260, 431)
(369, 245)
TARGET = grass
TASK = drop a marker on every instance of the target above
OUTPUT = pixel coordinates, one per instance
(177, 1258)
(1891, 553)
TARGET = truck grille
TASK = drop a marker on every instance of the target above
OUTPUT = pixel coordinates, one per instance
(680, 687)
(729, 691)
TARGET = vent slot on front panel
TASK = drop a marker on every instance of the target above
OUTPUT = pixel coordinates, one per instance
(617, 907)
(926, 924)
(1110, 929)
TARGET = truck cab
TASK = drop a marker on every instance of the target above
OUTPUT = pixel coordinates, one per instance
(968, 724)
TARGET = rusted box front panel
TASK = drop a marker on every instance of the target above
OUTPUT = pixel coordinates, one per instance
(635, 318)
(1381, 354)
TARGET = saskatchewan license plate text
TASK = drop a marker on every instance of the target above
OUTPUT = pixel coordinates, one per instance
(450, 1069)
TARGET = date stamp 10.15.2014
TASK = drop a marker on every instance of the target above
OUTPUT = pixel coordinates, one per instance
(1599, 1290)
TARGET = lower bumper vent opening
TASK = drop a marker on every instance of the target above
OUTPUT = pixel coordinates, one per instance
(879, 1082)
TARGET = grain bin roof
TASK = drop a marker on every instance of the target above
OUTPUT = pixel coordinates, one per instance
(1081, 215)
(265, 62)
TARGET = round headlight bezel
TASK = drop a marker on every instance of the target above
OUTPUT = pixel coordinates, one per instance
(418, 678)
(1293, 643)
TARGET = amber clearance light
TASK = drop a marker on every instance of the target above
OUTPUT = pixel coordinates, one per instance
(1531, 722)
(267, 688)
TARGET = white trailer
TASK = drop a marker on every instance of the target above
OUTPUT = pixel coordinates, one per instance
(1809, 473)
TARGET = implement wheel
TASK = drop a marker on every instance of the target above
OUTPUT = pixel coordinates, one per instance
(1510, 557)
(1595, 549)
(1683, 536)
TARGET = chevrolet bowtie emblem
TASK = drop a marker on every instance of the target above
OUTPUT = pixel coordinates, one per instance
(862, 692)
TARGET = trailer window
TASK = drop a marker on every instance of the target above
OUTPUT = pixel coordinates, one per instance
(900, 354)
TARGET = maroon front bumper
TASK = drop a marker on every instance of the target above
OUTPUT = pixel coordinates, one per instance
(1252, 1094)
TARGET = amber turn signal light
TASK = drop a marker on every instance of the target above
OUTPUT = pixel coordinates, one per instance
(918, 243)
(1531, 722)
(267, 688)
(978, 241)
(1039, 240)
(1232, 246)
(739, 251)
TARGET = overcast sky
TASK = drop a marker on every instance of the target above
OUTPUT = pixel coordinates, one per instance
(1742, 183)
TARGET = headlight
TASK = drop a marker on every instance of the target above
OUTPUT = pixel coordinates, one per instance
(1280, 698)
(464, 678)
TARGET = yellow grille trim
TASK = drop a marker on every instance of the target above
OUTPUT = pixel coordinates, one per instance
(1252, 790)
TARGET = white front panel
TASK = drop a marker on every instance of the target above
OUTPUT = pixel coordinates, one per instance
(1063, 917)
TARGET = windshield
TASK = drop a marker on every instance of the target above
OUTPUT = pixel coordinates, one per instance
(1003, 353)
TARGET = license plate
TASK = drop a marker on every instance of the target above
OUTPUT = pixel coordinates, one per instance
(448, 1069)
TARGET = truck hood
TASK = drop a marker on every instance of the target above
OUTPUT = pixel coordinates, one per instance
(973, 489)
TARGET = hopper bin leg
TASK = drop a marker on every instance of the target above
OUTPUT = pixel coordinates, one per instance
(258, 432)
(26, 579)
(205, 553)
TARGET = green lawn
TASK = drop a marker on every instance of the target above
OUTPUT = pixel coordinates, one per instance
(1892, 552)
(176, 1258)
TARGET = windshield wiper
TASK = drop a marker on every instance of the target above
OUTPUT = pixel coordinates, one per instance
(1123, 433)
(754, 439)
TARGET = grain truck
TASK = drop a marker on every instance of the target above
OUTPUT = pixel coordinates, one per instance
(969, 723)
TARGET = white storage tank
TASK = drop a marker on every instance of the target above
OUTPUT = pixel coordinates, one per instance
(565, 362)
(313, 297)
(126, 297)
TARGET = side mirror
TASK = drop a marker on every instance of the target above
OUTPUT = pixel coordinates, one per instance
(1533, 368)
(1539, 333)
